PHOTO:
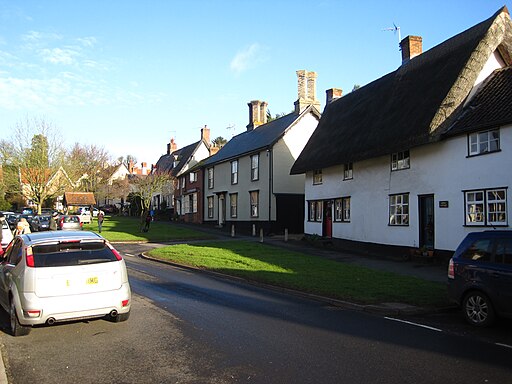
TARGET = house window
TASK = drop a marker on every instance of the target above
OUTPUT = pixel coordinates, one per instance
(315, 210)
(191, 203)
(317, 176)
(193, 177)
(347, 172)
(210, 178)
(182, 182)
(210, 207)
(400, 160)
(484, 142)
(342, 209)
(234, 172)
(254, 196)
(255, 167)
(399, 209)
(486, 207)
(233, 198)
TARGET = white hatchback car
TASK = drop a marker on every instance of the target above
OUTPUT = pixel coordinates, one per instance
(49, 277)
(6, 234)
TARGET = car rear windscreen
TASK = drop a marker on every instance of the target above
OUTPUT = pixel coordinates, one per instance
(71, 254)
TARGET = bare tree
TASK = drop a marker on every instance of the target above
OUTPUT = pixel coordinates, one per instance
(37, 156)
(147, 186)
(86, 166)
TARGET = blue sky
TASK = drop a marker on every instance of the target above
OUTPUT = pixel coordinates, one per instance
(129, 75)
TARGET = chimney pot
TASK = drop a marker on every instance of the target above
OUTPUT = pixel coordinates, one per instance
(333, 94)
(411, 47)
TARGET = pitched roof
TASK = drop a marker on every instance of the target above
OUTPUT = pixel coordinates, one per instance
(491, 107)
(261, 137)
(166, 162)
(79, 198)
(408, 107)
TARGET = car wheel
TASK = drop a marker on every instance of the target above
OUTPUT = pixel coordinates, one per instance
(120, 317)
(16, 328)
(477, 309)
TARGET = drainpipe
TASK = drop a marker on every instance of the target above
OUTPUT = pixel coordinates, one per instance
(270, 184)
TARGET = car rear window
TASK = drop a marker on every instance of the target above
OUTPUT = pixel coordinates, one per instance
(71, 219)
(480, 250)
(71, 254)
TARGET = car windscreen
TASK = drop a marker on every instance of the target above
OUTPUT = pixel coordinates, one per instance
(71, 254)
(71, 219)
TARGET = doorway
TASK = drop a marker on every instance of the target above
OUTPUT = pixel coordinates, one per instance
(426, 221)
(327, 222)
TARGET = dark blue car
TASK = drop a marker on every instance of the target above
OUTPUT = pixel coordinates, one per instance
(480, 276)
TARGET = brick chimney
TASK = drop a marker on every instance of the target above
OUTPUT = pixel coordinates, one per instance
(205, 134)
(171, 147)
(306, 90)
(332, 94)
(411, 47)
(257, 114)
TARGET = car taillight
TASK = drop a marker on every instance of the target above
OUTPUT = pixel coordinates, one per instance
(34, 313)
(29, 257)
(124, 303)
(114, 251)
(451, 270)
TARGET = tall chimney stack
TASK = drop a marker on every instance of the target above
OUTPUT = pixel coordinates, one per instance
(411, 47)
(205, 134)
(306, 87)
(332, 94)
(257, 114)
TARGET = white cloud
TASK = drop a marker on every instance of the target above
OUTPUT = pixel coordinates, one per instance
(59, 56)
(248, 58)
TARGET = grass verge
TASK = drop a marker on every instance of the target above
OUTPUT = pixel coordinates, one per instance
(312, 274)
(119, 228)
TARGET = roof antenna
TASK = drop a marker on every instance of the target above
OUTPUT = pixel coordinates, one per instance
(231, 127)
(395, 29)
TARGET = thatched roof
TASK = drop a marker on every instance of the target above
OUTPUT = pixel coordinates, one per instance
(409, 107)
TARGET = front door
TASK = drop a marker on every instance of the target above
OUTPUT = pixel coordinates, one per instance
(327, 222)
(426, 217)
(222, 210)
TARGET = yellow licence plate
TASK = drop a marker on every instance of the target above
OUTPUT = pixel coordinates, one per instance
(91, 280)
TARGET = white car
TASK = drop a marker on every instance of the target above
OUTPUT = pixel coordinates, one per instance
(55, 276)
(6, 234)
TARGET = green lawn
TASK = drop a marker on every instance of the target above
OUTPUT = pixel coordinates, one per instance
(119, 228)
(277, 266)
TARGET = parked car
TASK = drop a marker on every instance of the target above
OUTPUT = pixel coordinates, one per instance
(54, 276)
(12, 220)
(480, 276)
(87, 211)
(40, 223)
(6, 234)
(69, 222)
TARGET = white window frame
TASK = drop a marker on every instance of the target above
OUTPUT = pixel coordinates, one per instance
(342, 209)
(254, 197)
(255, 167)
(317, 177)
(400, 160)
(182, 180)
(193, 177)
(399, 210)
(483, 142)
(234, 172)
(348, 171)
(233, 203)
(210, 178)
(486, 207)
(315, 211)
(210, 200)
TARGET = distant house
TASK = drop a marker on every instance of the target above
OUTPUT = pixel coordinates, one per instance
(419, 157)
(182, 195)
(73, 200)
(247, 183)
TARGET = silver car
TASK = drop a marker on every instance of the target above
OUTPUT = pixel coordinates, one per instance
(69, 222)
(55, 276)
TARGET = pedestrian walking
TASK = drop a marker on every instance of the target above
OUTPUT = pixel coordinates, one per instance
(147, 222)
(101, 216)
(53, 222)
(23, 227)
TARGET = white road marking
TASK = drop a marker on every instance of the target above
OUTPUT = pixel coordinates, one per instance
(415, 324)
(504, 345)
(129, 254)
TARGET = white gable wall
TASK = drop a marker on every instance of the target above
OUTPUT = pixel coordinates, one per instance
(442, 169)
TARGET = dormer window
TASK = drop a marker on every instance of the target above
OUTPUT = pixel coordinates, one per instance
(484, 142)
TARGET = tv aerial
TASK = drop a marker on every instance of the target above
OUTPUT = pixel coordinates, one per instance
(231, 127)
(396, 30)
